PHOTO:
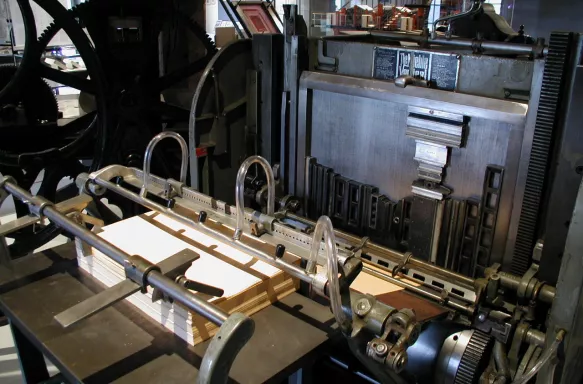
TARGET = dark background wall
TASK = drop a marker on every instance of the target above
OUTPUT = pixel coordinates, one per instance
(541, 17)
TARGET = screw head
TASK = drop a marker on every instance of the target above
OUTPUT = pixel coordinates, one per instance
(482, 317)
(381, 348)
(362, 307)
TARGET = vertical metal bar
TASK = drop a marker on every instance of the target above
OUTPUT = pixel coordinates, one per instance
(268, 60)
(32, 361)
(292, 72)
(525, 151)
(4, 251)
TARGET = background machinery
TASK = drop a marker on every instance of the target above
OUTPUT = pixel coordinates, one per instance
(448, 166)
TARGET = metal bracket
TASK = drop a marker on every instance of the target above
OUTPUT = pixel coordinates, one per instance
(148, 160)
(136, 272)
(402, 264)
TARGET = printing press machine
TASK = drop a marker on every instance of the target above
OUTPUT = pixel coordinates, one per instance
(448, 167)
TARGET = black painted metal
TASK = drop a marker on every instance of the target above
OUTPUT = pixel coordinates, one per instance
(493, 181)
(268, 60)
(32, 361)
(468, 245)
(554, 78)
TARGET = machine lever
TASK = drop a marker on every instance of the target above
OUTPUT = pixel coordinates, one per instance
(200, 287)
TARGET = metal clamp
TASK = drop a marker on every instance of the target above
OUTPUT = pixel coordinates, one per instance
(401, 326)
(406, 257)
(37, 205)
(148, 158)
(240, 189)
(137, 269)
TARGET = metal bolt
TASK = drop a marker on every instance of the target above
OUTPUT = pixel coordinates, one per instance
(381, 348)
(482, 317)
(401, 361)
(363, 306)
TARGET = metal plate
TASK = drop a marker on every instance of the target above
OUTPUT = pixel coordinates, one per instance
(441, 69)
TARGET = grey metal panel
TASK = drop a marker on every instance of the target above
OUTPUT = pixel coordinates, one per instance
(354, 59)
(361, 135)
(479, 74)
(488, 76)
(365, 140)
(469, 105)
(567, 310)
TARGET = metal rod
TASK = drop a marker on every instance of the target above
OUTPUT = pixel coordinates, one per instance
(155, 279)
(397, 257)
(547, 294)
(536, 337)
(461, 42)
(501, 359)
(240, 191)
(150, 150)
(291, 269)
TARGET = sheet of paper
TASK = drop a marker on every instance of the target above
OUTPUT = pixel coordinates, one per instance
(138, 237)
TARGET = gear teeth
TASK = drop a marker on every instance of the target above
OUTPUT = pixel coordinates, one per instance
(474, 356)
(47, 35)
(554, 77)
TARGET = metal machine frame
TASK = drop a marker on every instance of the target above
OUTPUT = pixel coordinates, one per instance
(501, 314)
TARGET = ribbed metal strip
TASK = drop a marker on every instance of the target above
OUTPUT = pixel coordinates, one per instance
(472, 358)
(552, 82)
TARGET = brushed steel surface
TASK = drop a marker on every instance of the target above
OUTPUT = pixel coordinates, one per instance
(364, 139)
(478, 74)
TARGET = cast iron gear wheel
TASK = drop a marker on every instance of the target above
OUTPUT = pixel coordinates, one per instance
(27, 114)
(51, 148)
(131, 61)
(76, 135)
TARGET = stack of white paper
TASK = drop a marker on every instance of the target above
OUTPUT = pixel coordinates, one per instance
(156, 237)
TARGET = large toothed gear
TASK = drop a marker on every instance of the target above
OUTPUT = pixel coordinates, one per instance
(463, 357)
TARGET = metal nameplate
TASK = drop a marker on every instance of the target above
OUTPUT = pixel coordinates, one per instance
(441, 69)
